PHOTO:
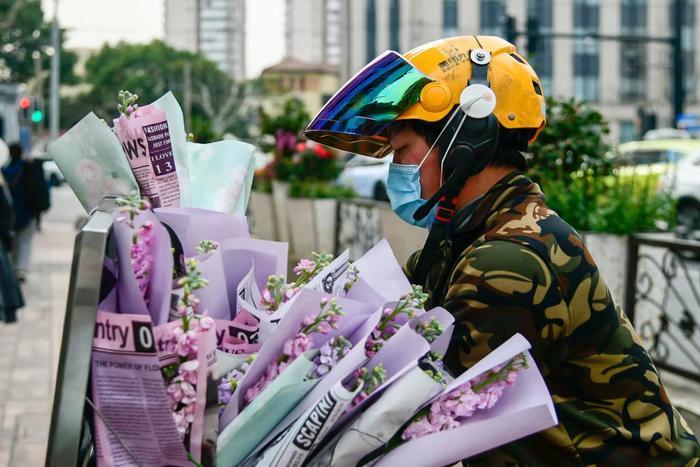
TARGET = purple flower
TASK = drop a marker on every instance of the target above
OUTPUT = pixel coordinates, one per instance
(329, 355)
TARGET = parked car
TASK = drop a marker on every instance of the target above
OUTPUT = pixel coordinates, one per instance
(683, 183)
(677, 163)
(367, 176)
(653, 156)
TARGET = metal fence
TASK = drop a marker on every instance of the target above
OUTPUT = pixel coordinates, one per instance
(662, 300)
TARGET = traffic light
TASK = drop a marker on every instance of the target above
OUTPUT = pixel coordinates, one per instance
(533, 35)
(25, 104)
(37, 115)
(511, 33)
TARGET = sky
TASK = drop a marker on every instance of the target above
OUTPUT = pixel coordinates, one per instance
(90, 23)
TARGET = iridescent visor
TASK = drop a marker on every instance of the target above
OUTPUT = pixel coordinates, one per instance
(356, 118)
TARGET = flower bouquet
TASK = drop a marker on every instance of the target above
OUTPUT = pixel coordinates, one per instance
(205, 353)
(288, 366)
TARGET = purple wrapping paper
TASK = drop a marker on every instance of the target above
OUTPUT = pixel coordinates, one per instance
(192, 225)
(303, 304)
(278, 249)
(268, 257)
(446, 319)
(525, 408)
(129, 297)
(399, 354)
(225, 267)
(354, 359)
(214, 298)
(381, 271)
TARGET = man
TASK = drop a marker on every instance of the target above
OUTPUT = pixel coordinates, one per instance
(30, 198)
(458, 115)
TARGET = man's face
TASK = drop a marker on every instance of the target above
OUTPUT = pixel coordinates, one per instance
(410, 148)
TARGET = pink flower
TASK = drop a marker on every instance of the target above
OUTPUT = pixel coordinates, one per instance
(205, 323)
(188, 371)
(512, 376)
(296, 346)
(491, 394)
(417, 429)
(267, 300)
(305, 265)
(290, 293)
(308, 320)
(324, 327)
(186, 342)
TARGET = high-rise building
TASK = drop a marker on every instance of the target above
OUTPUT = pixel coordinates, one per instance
(313, 31)
(618, 78)
(182, 24)
(214, 28)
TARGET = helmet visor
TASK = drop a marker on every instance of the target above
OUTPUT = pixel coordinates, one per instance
(357, 117)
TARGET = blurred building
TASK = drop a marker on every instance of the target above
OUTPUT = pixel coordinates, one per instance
(214, 28)
(621, 79)
(312, 83)
(312, 30)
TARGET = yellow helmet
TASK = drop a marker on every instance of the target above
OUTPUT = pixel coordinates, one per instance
(426, 84)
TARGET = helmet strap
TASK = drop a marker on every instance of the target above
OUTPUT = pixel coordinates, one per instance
(465, 151)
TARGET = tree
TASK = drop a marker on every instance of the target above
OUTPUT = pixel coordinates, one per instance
(150, 70)
(26, 37)
(572, 143)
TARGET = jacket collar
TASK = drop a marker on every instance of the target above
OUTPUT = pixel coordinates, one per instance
(479, 215)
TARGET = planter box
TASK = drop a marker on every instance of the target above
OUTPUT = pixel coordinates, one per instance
(610, 254)
(311, 226)
(280, 194)
(261, 217)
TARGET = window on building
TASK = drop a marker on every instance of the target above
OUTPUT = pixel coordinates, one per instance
(628, 131)
(688, 35)
(493, 13)
(541, 58)
(633, 55)
(395, 25)
(587, 51)
(371, 51)
(449, 17)
(333, 19)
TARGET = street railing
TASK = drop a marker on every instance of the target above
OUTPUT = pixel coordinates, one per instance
(662, 300)
(69, 435)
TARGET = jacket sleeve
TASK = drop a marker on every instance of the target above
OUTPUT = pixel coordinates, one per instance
(498, 289)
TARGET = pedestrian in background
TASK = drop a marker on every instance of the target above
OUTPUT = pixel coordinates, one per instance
(30, 198)
(11, 298)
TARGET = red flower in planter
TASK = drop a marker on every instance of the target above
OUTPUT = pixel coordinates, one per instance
(322, 152)
(300, 147)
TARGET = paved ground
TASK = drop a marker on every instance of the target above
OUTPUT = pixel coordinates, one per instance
(31, 346)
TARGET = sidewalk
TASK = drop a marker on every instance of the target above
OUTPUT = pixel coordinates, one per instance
(31, 346)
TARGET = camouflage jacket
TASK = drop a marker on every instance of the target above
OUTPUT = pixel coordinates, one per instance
(512, 265)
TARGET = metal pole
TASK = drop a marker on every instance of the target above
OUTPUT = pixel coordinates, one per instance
(678, 75)
(631, 277)
(55, 73)
(187, 94)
